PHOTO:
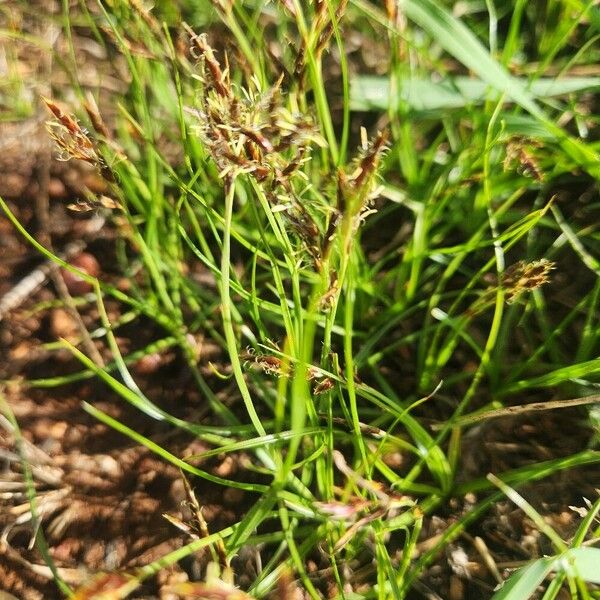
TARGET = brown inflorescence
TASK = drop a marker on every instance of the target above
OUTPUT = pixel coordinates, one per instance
(253, 133)
(525, 276)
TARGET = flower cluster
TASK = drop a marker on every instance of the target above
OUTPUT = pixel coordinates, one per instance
(525, 276)
(247, 131)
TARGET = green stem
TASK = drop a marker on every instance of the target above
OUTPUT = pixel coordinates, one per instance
(226, 311)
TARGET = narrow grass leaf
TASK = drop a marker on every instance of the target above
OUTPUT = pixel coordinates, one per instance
(532, 472)
(164, 453)
(557, 376)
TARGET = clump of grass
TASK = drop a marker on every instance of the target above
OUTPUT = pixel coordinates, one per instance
(412, 290)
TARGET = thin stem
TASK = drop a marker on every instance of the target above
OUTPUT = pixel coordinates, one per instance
(230, 337)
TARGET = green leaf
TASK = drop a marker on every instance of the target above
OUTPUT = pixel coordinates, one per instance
(525, 581)
(368, 92)
(580, 562)
(576, 562)
(557, 376)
